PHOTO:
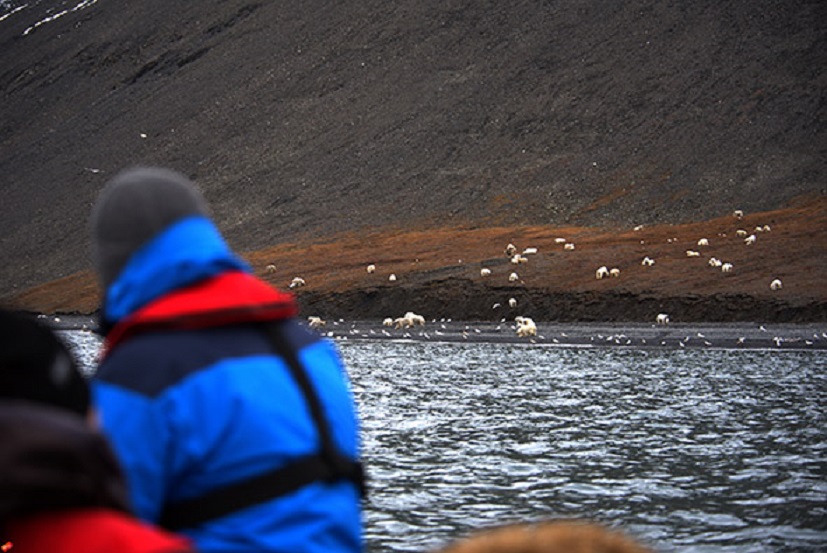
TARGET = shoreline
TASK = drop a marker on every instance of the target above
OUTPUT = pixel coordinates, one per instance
(631, 335)
(737, 336)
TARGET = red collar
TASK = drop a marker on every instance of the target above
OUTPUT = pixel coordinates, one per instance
(230, 298)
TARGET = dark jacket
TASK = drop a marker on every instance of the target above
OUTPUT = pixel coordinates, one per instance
(197, 399)
(61, 489)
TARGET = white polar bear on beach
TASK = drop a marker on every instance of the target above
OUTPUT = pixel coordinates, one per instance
(315, 322)
(525, 327)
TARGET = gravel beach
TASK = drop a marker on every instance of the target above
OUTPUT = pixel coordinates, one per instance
(635, 335)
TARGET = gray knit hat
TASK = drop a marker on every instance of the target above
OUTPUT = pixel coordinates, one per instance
(132, 208)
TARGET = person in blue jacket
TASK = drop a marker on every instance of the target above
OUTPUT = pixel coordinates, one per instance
(235, 423)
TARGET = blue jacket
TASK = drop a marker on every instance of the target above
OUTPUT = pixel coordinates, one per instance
(194, 398)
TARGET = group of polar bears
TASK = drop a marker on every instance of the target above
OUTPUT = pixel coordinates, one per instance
(409, 320)
(525, 325)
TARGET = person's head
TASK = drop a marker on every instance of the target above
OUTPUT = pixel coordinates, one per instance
(134, 207)
(36, 366)
(151, 236)
(548, 537)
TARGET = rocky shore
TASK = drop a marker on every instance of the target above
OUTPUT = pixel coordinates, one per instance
(811, 336)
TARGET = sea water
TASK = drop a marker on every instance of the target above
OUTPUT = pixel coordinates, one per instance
(684, 449)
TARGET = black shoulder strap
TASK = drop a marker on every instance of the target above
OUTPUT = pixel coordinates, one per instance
(341, 467)
(327, 465)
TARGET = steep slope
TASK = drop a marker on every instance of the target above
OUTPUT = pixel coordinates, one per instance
(301, 119)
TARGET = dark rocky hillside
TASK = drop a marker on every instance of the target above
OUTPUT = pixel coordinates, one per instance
(301, 120)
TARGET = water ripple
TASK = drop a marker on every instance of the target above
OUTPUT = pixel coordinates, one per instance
(688, 450)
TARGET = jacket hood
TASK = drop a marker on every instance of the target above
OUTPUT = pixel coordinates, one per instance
(188, 251)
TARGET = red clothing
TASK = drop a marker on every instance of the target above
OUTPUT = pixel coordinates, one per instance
(229, 298)
(92, 530)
